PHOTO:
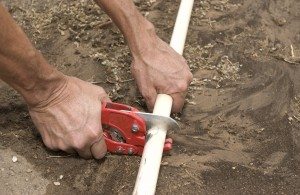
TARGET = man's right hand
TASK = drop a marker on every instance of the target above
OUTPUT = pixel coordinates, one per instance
(70, 119)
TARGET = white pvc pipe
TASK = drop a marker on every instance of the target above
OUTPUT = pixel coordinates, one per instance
(181, 25)
(152, 154)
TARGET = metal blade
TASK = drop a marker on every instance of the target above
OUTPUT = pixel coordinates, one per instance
(153, 120)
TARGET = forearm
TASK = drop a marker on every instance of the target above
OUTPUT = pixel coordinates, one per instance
(138, 32)
(22, 66)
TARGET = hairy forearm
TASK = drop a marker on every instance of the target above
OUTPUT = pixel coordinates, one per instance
(22, 66)
(138, 32)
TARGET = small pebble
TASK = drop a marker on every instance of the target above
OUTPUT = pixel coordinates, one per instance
(62, 33)
(61, 176)
(28, 170)
(56, 183)
(280, 21)
(14, 159)
(233, 168)
(77, 52)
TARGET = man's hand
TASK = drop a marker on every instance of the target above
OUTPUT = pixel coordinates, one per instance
(65, 110)
(156, 67)
(70, 120)
(161, 70)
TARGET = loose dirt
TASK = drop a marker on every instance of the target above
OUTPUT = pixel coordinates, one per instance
(241, 123)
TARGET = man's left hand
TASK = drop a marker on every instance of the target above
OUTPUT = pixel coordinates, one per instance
(160, 69)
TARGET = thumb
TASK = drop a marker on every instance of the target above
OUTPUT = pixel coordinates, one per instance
(98, 148)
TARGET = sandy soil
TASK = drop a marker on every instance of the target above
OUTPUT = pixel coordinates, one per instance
(241, 123)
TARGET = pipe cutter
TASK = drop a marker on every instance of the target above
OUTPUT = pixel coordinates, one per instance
(125, 128)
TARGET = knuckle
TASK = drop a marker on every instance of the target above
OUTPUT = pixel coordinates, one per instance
(51, 146)
(101, 91)
(135, 71)
(146, 95)
(94, 135)
(177, 107)
(79, 145)
(184, 61)
(64, 147)
(190, 77)
(48, 144)
(176, 110)
(133, 68)
(182, 86)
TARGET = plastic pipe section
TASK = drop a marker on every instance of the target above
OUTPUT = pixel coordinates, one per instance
(152, 154)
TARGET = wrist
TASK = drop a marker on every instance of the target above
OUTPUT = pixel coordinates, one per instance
(44, 89)
(140, 36)
(39, 81)
(137, 30)
(144, 41)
